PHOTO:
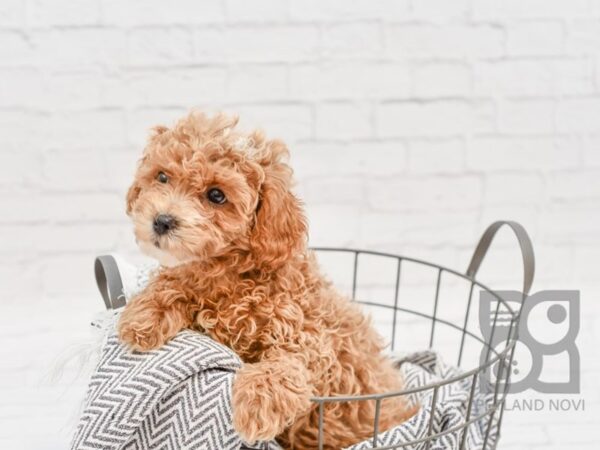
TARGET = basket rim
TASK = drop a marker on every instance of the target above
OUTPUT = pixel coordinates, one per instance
(357, 252)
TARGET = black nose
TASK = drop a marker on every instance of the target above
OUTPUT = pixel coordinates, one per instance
(163, 223)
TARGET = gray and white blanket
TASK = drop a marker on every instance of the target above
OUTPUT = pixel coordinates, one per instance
(178, 398)
(450, 410)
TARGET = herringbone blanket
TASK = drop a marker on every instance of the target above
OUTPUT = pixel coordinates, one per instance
(178, 398)
(173, 398)
(450, 412)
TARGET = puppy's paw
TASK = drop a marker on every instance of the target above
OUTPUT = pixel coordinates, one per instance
(140, 338)
(268, 397)
(142, 334)
(142, 331)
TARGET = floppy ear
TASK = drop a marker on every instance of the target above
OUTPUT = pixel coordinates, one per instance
(132, 195)
(280, 228)
(134, 190)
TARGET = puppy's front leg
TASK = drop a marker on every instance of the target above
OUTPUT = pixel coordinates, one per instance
(155, 315)
(268, 396)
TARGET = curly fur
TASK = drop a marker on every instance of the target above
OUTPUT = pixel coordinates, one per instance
(242, 273)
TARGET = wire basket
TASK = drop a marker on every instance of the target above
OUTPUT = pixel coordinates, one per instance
(497, 349)
(497, 354)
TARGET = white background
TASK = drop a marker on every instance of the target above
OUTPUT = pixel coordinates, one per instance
(412, 125)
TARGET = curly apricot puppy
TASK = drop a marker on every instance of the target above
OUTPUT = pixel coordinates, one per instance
(214, 206)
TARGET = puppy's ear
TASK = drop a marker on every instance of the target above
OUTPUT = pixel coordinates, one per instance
(134, 190)
(132, 194)
(280, 228)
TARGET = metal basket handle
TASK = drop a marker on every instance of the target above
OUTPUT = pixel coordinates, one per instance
(524, 243)
(109, 281)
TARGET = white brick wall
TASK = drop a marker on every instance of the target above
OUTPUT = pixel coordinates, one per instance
(412, 124)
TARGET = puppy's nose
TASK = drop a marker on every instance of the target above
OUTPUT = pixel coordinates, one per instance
(163, 223)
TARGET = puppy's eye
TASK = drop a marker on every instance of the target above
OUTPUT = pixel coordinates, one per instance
(162, 177)
(216, 196)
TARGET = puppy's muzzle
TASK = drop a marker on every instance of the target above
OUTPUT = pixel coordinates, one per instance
(163, 223)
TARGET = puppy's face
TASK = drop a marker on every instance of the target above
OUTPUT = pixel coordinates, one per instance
(203, 190)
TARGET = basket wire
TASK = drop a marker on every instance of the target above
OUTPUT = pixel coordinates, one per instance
(502, 359)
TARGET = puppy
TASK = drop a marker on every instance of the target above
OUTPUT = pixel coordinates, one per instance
(214, 206)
